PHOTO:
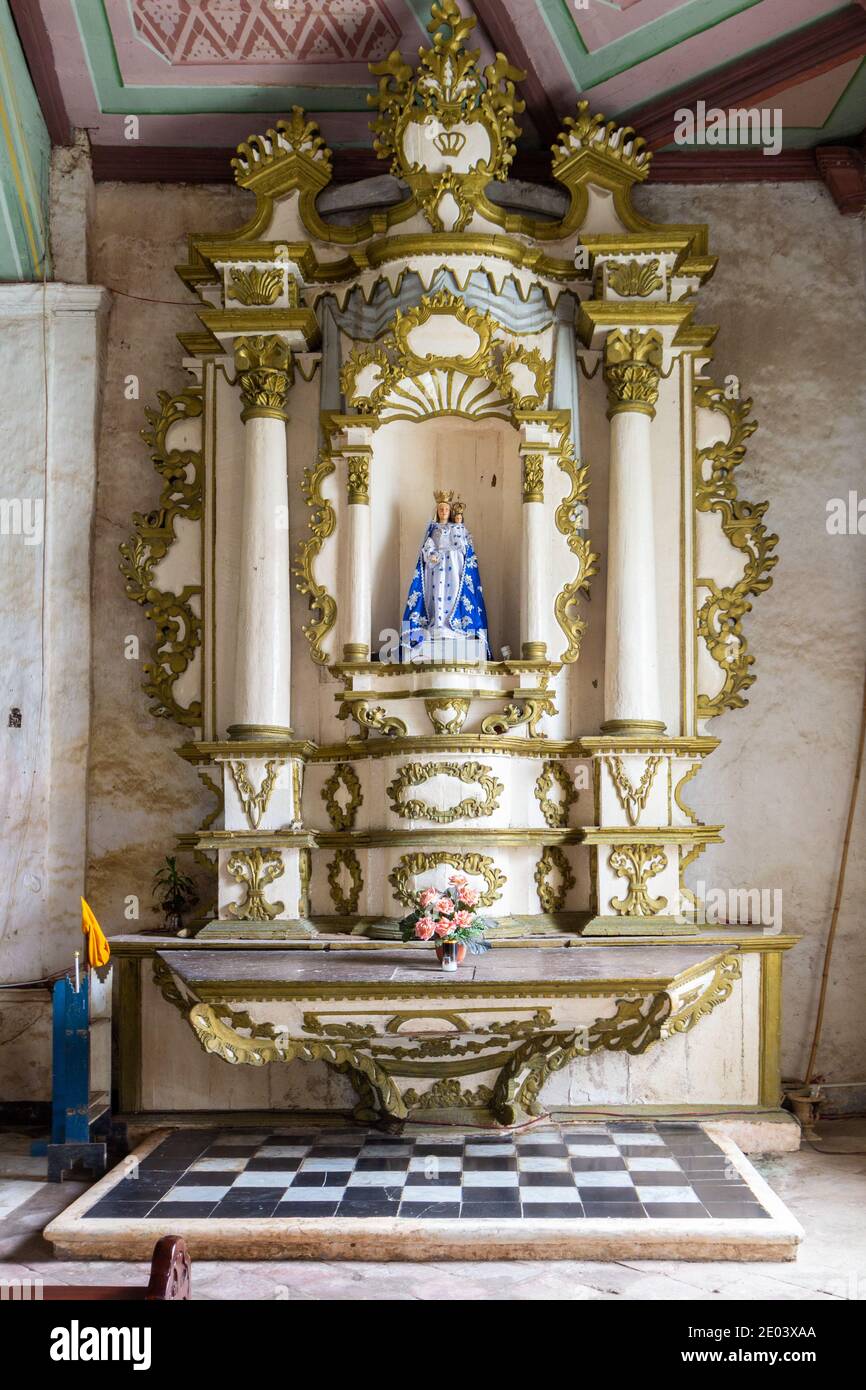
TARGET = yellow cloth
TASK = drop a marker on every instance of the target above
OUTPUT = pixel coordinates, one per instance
(98, 949)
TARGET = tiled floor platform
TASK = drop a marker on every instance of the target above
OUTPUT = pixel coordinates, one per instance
(358, 1193)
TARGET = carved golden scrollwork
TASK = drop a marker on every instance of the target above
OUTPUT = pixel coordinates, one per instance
(552, 774)
(632, 799)
(703, 999)
(410, 865)
(345, 900)
(255, 869)
(177, 624)
(637, 864)
(470, 808)
(358, 479)
(720, 616)
(553, 861)
(533, 477)
(368, 717)
(447, 1094)
(342, 816)
(450, 95)
(569, 523)
(530, 712)
(323, 520)
(254, 803)
(447, 715)
(258, 285)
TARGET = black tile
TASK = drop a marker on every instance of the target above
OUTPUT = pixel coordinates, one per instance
(148, 1185)
(505, 1164)
(552, 1211)
(273, 1165)
(358, 1196)
(546, 1179)
(647, 1151)
(260, 1204)
(679, 1127)
(723, 1191)
(480, 1196)
(176, 1209)
(433, 1211)
(588, 1139)
(629, 1210)
(233, 1151)
(440, 1180)
(629, 1131)
(368, 1208)
(582, 1163)
(289, 1208)
(596, 1195)
(382, 1165)
(662, 1178)
(676, 1210)
(326, 1179)
(696, 1147)
(502, 1211)
(296, 1141)
(533, 1149)
(109, 1207)
(491, 1139)
(209, 1177)
(422, 1150)
(737, 1210)
(702, 1163)
(391, 1140)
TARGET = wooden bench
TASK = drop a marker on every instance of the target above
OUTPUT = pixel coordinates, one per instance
(169, 1281)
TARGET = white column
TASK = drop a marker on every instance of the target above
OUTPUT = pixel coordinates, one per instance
(632, 703)
(358, 595)
(533, 648)
(263, 651)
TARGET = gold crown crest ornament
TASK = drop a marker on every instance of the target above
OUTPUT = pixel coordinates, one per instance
(443, 496)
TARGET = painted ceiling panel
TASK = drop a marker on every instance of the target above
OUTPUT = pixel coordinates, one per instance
(202, 73)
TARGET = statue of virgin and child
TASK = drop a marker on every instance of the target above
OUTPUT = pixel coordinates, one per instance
(445, 609)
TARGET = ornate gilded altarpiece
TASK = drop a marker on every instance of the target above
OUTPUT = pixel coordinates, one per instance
(355, 350)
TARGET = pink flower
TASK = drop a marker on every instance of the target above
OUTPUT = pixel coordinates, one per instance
(424, 928)
(428, 896)
(445, 905)
(444, 927)
(458, 880)
(469, 896)
(463, 919)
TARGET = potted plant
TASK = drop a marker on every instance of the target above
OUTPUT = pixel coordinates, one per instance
(451, 920)
(174, 893)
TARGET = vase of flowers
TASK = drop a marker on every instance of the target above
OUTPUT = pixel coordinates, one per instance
(449, 919)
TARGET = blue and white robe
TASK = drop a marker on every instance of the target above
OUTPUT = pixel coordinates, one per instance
(445, 597)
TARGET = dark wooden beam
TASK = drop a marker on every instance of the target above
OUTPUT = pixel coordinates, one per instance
(180, 164)
(505, 38)
(843, 171)
(40, 60)
(746, 81)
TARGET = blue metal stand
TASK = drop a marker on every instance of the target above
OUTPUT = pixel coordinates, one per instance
(73, 1149)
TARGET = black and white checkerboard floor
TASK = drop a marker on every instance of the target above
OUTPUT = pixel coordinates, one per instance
(651, 1171)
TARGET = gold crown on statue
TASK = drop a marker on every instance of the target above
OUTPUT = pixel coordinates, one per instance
(458, 506)
(443, 496)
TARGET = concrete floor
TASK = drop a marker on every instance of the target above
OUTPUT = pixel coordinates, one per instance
(825, 1191)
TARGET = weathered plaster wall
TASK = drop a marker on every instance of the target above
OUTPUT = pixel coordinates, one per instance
(788, 295)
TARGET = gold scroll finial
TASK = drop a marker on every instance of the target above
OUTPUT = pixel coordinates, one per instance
(447, 127)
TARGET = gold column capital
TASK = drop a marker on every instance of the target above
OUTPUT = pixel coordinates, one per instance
(533, 477)
(358, 479)
(265, 371)
(632, 367)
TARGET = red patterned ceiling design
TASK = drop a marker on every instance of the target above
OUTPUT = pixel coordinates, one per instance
(189, 32)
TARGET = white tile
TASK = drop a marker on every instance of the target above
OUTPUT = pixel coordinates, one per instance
(627, 1141)
(433, 1195)
(544, 1165)
(219, 1165)
(435, 1165)
(195, 1194)
(313, 1194)
(653, 1165)
(549, 1194)
(387, 1150)
(257, 1179)
(327, 1165)
(494, 1179)
(596, 1179)
(578, 1150)
(668, 1194)
(374, 1179)
(491, 1150)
